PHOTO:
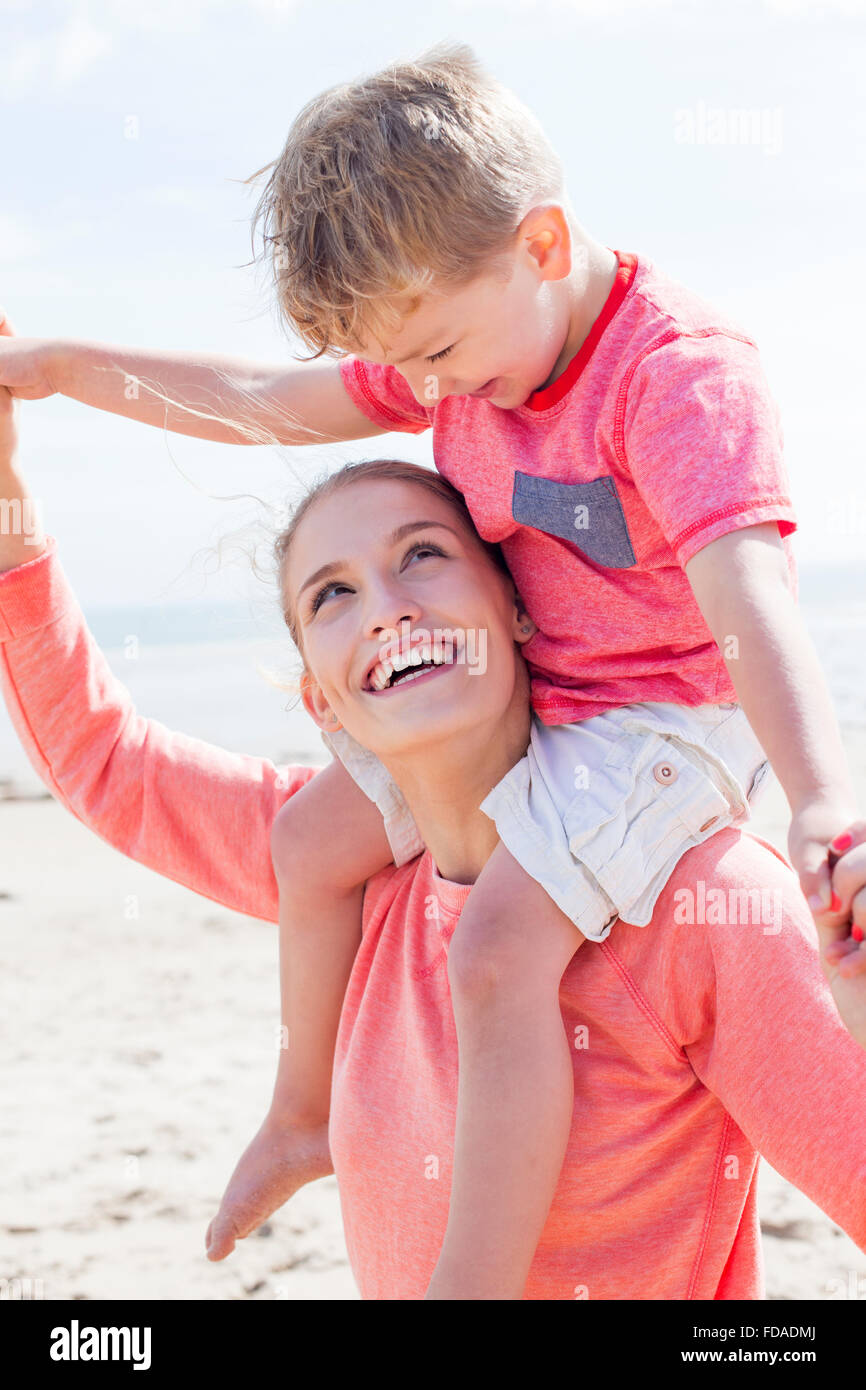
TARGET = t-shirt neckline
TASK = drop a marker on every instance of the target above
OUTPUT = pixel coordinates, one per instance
(451, 895)
(553, 394)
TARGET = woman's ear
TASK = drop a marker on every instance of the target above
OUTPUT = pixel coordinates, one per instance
(317, 706)
(524, 627)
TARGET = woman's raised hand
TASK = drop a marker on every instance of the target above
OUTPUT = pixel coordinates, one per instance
(24, 364)
(8, 428)
(8, 408)
(842, 931)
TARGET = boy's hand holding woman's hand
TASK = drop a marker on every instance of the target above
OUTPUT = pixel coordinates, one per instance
(25, 364)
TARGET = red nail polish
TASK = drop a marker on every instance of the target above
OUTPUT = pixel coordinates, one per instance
(835, 903)
(842, 842)
(857, 933)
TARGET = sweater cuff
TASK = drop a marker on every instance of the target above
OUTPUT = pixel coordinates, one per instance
(33, 594)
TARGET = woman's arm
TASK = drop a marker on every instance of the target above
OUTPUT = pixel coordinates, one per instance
(770, 1043)
(192, 811)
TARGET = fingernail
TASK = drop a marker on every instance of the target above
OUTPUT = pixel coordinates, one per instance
(835, 903)
(842, 842)
(857, 933)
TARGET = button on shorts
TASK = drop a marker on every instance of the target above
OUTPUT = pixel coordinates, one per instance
(600, 811)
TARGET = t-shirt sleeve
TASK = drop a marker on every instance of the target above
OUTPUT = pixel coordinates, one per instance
(702, 439)
(384, 396)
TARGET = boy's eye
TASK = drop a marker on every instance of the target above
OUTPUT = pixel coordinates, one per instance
(437, 355)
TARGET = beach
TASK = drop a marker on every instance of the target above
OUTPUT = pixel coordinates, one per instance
(139, 1031)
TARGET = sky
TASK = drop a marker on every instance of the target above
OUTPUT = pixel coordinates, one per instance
(128, 130)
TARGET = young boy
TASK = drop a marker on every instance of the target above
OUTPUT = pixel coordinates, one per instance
(616, 436)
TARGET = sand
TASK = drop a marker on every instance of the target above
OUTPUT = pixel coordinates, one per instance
(139, 1039)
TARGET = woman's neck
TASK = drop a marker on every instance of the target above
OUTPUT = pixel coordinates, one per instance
(444, 786)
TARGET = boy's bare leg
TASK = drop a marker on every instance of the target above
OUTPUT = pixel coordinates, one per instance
(515, 1095)
(327, 840)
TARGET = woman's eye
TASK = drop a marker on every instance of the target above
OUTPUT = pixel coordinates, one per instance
(323, 594)
(421, 547)
(437, 355)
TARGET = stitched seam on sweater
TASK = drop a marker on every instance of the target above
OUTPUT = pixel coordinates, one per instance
(643, 1004)
(710, 1208)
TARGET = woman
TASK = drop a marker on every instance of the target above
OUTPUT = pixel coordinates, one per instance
(698, 1040)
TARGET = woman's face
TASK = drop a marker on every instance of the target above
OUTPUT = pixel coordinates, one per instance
(385, 569)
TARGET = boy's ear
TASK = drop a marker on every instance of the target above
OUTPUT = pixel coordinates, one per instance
(547, 236)
(317, 706)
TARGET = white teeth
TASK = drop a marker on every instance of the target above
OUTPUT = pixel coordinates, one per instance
(413, 676)
(381, 674)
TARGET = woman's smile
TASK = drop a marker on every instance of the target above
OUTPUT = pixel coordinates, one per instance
(412, 675)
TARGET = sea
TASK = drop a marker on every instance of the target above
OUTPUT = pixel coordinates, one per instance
(227, 672)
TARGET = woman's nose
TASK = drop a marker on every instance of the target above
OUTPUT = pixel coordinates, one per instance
(388, 608)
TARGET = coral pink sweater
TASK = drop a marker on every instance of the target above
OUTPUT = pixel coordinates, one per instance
(696, 1046)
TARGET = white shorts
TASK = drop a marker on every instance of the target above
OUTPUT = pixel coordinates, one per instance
(599, 812)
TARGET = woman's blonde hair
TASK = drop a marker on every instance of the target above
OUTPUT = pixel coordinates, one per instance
(388, 470)
(414, 179)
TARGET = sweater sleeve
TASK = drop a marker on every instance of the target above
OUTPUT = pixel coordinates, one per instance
(190, 810)
(772, 1046)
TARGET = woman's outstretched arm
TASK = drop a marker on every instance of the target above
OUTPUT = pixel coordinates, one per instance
(192, 811)
(768, 1040)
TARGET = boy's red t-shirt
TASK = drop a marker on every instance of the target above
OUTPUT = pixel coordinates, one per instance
(660, 436)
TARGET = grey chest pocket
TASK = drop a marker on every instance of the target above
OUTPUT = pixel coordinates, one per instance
(589, 515)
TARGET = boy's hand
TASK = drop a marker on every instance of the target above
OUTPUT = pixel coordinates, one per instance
(24, 364)
(813, 826)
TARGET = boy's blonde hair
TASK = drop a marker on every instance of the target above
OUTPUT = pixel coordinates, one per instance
(412, 180)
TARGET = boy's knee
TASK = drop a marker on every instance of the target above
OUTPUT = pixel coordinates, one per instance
(480, 960)
(501, 950)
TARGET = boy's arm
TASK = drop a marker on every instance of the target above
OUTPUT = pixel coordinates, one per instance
(230, 400)
(740, 581)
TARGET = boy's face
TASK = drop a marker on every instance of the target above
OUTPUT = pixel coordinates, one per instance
(501, 339)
